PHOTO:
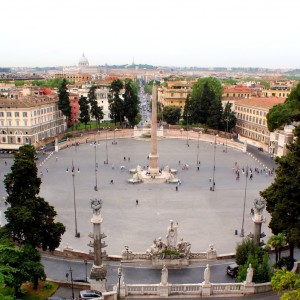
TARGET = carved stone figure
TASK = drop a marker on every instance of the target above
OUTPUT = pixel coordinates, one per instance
(172, 235)
(183, 248)
(259, 205)
(207, 274)
(96, 205)
(164, 275)
(249, 276)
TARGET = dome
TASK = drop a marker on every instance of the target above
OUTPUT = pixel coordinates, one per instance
(83, 61)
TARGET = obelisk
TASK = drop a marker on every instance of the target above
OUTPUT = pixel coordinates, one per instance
(153, 156)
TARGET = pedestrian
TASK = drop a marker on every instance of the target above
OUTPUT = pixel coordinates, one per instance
(41, 174)
(124, 158)
(128, 158)
(179, 162)
(47, 170)
(198, 168)
(176, 188)
(112, 167)
(210, 179)
(111, 181)
(5, 163)
(136, 202)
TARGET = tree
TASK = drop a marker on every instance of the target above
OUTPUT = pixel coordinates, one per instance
(116, 104)
(63, 101)
(20, 264)
(131, 103)
(96, 111)
(277, 242)
(30, 219)
(84, 116)
(285, 113)
(282, 196)
(228, 118)
(171, 114)
(286, 284)
(206, 103)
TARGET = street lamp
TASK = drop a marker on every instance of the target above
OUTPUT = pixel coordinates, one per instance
(119, 278)
(214, 167)
(85, 263)
(226, 132)
(198, 147)
(106, 148)
(114, 141)
(72, 287)
(242, 230)
(187, 129)
(77, 234)
(96, 166)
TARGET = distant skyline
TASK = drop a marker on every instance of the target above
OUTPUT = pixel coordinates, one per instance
(215, 33)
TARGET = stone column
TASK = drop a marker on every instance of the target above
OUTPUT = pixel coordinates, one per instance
(153, 156)
(258, 219)
(99, 271)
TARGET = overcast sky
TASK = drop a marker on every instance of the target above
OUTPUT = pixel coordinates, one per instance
(207, 33)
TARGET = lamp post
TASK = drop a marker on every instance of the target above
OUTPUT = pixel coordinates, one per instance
(119, 281)
(77, 234)
(96, 166)
(85, 263)
(114, 141)
(106, 147)
(198, 147)
(242, 230)
(187, 129)
(214, 167)
(72, 286)
(226, 132)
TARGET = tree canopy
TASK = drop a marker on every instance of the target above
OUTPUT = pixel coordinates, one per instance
(282, 114)
(131, 103)
(116, 104)
(282, 196)
(171, 114)
(30, 219)
(64, 101)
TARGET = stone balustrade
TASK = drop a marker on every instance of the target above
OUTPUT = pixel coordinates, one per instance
(198, 289)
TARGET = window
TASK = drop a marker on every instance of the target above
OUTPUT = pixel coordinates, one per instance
(18, 140)
(18, 123)
(8, 114)
(9, 123)
(3, 140)
(17, 114)
(1, 122)
(1, 114)
(25, 122)
(24, 114)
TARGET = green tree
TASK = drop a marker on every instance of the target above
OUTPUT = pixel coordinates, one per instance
(262, 271)
(282, 196)
(131, 103)
(277, 242)
(286, 284)
(63, 101)
(20, 264)
(171, 114)
(188, 111)
(96, 111)
(228, 118)
(84, 116)
(116, 104)
(30, 219)
(287, 112)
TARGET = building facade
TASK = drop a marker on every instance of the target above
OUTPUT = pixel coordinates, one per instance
(251, 119)
(29, 120)
(102, 94)
(175, 93)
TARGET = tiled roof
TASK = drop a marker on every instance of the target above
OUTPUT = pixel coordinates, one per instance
(260, 102)
(29, 101)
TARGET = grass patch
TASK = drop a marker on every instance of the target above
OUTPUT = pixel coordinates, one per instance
(91, 125)
(45, 290)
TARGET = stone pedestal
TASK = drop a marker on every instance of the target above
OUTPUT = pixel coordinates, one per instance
(257, 232)
(98, 285)
(249, 288)
(153, 164)
(163, 290)
(170, 263)
(206, 290)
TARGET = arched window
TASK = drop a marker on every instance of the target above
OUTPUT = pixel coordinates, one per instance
(3, 132)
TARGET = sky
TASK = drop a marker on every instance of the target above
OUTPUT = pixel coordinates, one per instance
(185, 33)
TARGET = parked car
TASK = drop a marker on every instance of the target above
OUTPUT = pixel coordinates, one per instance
(232, 270)
(42, 148)
(90, 294)
(260, 149)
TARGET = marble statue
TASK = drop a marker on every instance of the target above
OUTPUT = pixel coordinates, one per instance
(249, 276)
(259, 205)
(207, 274)
(172, 235)
(164, 275)
(183, 248)
(96, 205)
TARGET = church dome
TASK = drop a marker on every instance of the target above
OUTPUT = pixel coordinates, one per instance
(83, 62)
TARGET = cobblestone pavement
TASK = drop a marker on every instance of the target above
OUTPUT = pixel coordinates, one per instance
(204, 217)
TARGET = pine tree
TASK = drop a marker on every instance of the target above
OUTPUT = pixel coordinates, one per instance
(282, 196)
(30, 219)
(116, 104)
(84, 116)
(96, 111)
(64, 102)
(131, 102)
